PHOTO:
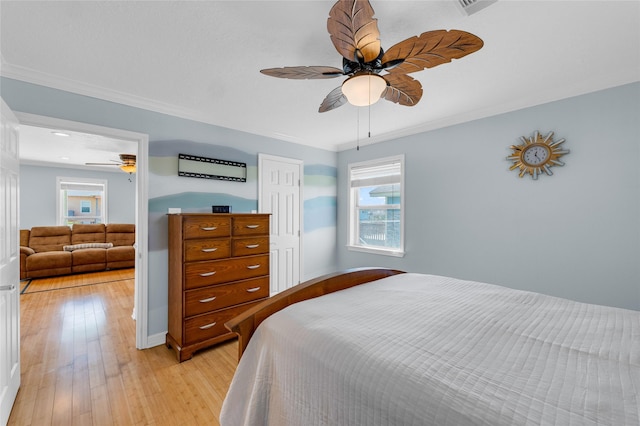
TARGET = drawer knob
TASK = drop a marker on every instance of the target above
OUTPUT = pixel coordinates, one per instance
(204, 327)
(208, 274)
(252, 246)
(209, 228)
(252, 226)
(211, 299)
(210, 250)
(253, 266)
(253, 290)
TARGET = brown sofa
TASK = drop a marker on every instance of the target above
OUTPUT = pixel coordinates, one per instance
(47, 251)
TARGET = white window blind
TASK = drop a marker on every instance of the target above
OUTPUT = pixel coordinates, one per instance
(376, 174)
(74, 186)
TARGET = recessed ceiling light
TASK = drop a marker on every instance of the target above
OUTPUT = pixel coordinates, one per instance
(61, 134)
(64, 158)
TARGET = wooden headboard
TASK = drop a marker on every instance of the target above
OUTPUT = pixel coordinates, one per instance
(245, 324)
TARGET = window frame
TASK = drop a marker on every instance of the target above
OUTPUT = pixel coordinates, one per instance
(354, 207)
(61, 215)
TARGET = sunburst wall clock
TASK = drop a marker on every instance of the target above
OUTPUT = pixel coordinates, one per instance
(536, 155)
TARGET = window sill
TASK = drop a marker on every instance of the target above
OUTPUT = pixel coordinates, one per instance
(371, 250)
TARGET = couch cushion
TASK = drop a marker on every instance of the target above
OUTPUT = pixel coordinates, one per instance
(88, 233)
(49, 260)
(49, 238)
(121, 257)
(73, 247)
(90, 259)
(121, 234)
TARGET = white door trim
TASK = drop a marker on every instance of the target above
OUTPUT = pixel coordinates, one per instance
(142, 206)
(261, 158)
(10, 374)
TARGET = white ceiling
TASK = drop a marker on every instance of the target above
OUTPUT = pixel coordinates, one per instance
(201, 60)
(42, 146)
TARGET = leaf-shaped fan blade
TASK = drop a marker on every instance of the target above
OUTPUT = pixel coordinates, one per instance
(354, 30)
(429, 50)
(303, 73)
(333, 100)
(402, 89)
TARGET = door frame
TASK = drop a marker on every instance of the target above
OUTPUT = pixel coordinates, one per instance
(300, 163)
(141, 295)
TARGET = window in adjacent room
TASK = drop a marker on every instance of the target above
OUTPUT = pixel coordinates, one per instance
(81, 200)
(85, 206)
(376, 200)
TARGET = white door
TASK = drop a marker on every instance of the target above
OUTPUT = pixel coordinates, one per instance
(9, 264)
(280, 195)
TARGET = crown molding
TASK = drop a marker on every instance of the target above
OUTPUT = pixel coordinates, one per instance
(551, 95)
(44, 79)
(55, 82)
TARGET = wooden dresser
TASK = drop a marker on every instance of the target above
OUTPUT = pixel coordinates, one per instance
(218, 267)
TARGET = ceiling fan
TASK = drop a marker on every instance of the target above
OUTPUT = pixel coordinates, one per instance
(354, 33)
(127, 163)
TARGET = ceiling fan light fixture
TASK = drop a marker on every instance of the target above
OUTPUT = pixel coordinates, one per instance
(128, 168)
(363, 89)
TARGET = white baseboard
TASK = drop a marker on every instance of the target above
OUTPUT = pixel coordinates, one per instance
(156, 340)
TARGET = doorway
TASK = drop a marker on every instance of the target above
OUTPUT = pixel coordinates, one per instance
(280, 194)
(140, 311)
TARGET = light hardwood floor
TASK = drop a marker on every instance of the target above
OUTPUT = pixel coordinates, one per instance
(80, 365)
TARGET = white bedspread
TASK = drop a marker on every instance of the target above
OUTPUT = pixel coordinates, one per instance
(476, 354)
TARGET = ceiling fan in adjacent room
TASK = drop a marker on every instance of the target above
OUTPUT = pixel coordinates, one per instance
(127, 163)
(354, 33)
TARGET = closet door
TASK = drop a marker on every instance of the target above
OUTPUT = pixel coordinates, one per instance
(280, 195)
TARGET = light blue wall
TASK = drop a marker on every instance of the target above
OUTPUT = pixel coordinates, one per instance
(38, 194)
(168, 134)
(575, 234)
(195, 195)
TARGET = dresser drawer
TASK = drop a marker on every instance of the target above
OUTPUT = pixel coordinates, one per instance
(206, 249)
(201, 274)
(206, 226)
(251, 225)
(207, 326)
(208, 299)
(250, 245)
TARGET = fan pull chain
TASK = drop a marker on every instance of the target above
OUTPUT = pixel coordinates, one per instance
(369, 124)
(358, 129)
(358, 121)
(369, 129)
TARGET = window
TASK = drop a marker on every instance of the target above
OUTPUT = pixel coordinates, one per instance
(85, 206)
(81, 200)
(376, 200)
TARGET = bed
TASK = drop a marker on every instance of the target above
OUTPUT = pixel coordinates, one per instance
(382, 347)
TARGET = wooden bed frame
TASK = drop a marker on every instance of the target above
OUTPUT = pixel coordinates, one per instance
(245, 324)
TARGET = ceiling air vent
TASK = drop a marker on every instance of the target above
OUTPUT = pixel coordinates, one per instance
(472, 6)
